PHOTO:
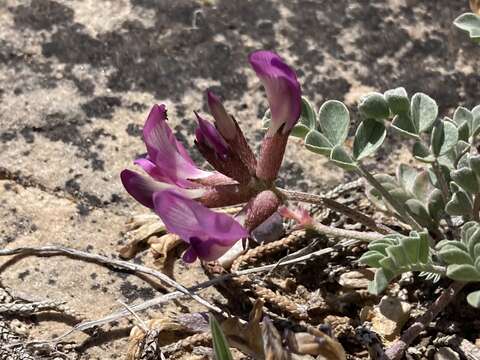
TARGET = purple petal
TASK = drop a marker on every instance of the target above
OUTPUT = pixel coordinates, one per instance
(157, 173)
(210, 234)
(224, 122)
(282, 87)
(142, 188)
(165, 151)
(207, 134)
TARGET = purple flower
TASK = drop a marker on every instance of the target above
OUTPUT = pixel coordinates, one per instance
(282, 87)
(208, 135)
(181, 193)
(166, 155)
(209, 234)
(224, 122)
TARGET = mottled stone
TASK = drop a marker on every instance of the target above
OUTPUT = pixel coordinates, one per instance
(77, 79)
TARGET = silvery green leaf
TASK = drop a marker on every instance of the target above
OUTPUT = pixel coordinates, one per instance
(476, 253)
(423, 248)
(308, 116)
(385, 179)
(387, 241)
(397, 254)
(436, 204)
(220, 344)
(421, 186)
(374, 106)
(397, 100)
(422, 153)
(468, 229)
(419, 212)
(380, 246)
(316, 142)
(458, 244)
(459, 205)
(472, 241)
(411, 247)
(334, 121)
(444, 137)
(471, 23)
(368, 138)
(453, 255)
(376, 198)
(475, 129)
(463, 132)
(474, 299)
(462, 146)
(466, 178)
(454, 187)
(474, 162)
(388, 263)
(463, 272)
(371, 258)
(380, 282)
(447, 159)
(404, 125)
(307, 121)
(463, 115)
(400, 195)
(299, 131)
(341, 158)
(406, 176)
(424, 111)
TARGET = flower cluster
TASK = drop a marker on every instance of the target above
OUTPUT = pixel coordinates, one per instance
(181, 193)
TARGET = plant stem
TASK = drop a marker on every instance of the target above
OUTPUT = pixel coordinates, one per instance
(476, 207)
(396, 350)
(343, 233)
(336, 206)
(399, 208)
(445, 192)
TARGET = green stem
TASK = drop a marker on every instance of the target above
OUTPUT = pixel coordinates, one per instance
(446, 195)
(399, 208)
(476, 207)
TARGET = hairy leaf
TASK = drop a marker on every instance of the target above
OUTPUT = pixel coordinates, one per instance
(374, 106)
(424, 111)
(334, 121)
(341, 158)
(397, 100)
(316, 142)
(368, 138)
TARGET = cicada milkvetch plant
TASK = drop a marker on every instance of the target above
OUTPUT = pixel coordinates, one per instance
(438, 197)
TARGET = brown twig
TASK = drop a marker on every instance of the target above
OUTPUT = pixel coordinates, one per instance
(348, 234)
(53, 250)
(396, 350)
(162, 299)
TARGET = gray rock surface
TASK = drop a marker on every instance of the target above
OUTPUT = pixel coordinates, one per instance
(77, 79)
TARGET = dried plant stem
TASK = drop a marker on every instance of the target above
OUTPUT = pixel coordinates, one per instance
(343, 233)
(173, 295)
(118, 264)
(397, 349)
(336, 206)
